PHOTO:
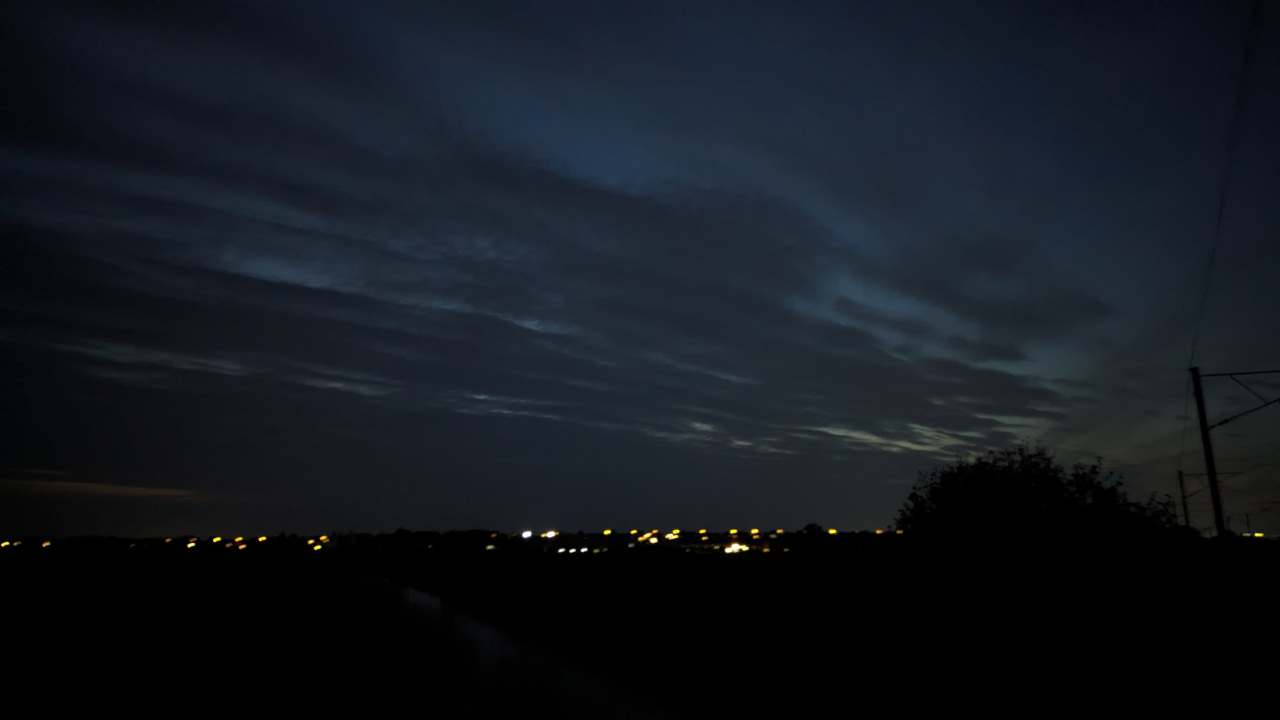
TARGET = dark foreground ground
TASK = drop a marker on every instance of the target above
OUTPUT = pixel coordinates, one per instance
(885, 628)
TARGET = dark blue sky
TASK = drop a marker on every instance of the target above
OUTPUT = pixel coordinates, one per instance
(332, 265)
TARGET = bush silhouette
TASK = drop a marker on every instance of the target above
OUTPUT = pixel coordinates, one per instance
(1022, 492)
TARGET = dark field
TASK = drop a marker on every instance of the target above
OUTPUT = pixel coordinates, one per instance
(838, 626)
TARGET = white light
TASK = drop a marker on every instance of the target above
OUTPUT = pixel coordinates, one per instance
(526, 534)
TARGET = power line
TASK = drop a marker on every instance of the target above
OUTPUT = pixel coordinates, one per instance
(1233, 141)
(1224, 185)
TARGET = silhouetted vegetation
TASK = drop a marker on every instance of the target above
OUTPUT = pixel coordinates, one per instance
(1023, 492)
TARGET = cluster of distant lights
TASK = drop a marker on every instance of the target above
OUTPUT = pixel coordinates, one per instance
(239, 542)
(652, 537)
(647, 538)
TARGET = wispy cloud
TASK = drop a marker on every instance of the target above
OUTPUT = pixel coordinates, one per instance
(92, 489)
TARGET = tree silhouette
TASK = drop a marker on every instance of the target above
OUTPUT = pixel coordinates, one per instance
(1022, 492)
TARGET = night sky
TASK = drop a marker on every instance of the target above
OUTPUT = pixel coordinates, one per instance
(316, 266)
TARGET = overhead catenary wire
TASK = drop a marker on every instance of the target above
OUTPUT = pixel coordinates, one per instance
(1224, 187)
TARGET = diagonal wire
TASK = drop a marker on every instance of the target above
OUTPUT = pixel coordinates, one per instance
(1251, 390)
(1233, 140)
(1224, 186)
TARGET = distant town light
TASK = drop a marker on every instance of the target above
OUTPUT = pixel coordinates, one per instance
(46, 543)
(755, 531)
(309, 541)
(653, 540)
(191, 544)
(879, 532)
(633, 532)
(168, 539)
(262, 539)
(4, 544)
(831, 531)
(583, 549)
(239, 539)
(526, 534)
(703, 531)
(733, 532)
(242, 546)
(608, 531)
(218, 539)
(780, 531)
